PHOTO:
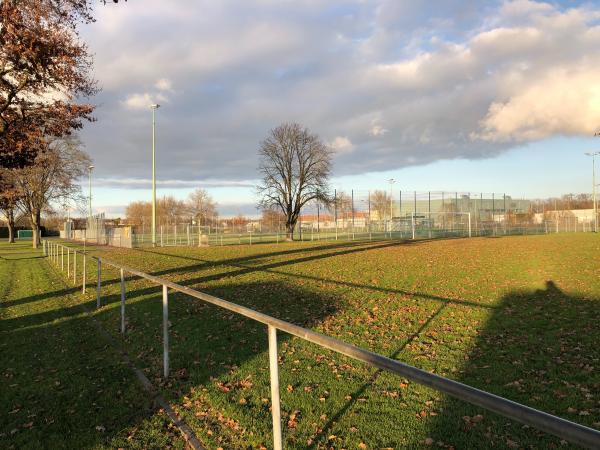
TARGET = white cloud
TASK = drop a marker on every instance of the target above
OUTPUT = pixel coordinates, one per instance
(562, 102)
(341, 144)
(377, 130)
(143, 101)
(163, 84)
(399, 82)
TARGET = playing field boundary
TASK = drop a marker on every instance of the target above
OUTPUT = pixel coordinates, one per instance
(562, 428)
(147, 385)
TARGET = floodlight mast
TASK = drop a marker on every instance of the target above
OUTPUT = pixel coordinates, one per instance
(391, 181)
(90, 168)
(154, 107)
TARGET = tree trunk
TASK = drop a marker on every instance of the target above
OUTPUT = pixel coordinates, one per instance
(35, 227)
(290, 231)
(11, 226)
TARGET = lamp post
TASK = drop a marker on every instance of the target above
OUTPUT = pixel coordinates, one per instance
(154, 107)
(90, 168)
(593, 155)
(391, 181)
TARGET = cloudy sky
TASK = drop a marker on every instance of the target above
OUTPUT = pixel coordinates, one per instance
(468, 96)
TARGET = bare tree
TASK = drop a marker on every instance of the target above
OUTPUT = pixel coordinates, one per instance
(381, 204)
(341, 206)
(52, 177)
(295, 166)
(201, 206)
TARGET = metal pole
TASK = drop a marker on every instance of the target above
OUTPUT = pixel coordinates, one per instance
(494, 212)
(469, 224)
(413, 225)
(122, 302)
(369, 215)
(154, 107)
(504, 213)
(429, 209)
(99, 286)
(352, 192)
(62, 258)
(83, 273)
(75, 267)
(90, 182)
(335, 212)
(165, 305)
(594, 199)
(275, 402)
(68, 262)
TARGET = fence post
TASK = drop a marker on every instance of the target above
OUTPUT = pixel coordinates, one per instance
(165, 304)
(188, 235)
(99, 286)
(62, 258)
(469, 224)
(74, 266)
(83, 273)
(161, 236)
(275, 402)
(68, 262)
(122, 302)
(413, 225)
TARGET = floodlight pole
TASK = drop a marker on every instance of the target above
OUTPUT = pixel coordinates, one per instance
(391, 181)
(154, 107)
(594, 192)
(90, 168)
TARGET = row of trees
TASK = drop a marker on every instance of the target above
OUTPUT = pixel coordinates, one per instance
(52, 176)
(45, 73)
(199, 207)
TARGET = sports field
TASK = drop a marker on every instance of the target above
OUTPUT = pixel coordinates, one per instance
(516, 316)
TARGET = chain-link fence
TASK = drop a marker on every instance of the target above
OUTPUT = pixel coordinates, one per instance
(376, 215)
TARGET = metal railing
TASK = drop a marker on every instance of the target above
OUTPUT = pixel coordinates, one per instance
(562, 428)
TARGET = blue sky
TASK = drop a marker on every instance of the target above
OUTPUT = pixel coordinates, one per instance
(473, 96)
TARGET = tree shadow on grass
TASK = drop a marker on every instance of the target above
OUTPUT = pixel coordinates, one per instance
(540, 349)
(214, 352)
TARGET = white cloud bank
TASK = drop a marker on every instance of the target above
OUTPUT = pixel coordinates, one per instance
(386, 83)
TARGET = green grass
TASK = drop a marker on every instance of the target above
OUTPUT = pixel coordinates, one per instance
(516, 316)
(63, 386)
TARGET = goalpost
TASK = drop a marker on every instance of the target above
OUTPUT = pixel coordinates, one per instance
(429, 219)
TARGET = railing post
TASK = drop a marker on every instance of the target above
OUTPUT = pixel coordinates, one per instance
(83, 273)
(122, 302)
(74, 266)
(275, 402)
(165, 304)
(99, 286)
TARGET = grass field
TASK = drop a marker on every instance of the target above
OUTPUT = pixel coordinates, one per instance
(516, 316)
(63, 386)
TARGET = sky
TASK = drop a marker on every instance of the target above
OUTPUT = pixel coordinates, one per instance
(464, 96)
